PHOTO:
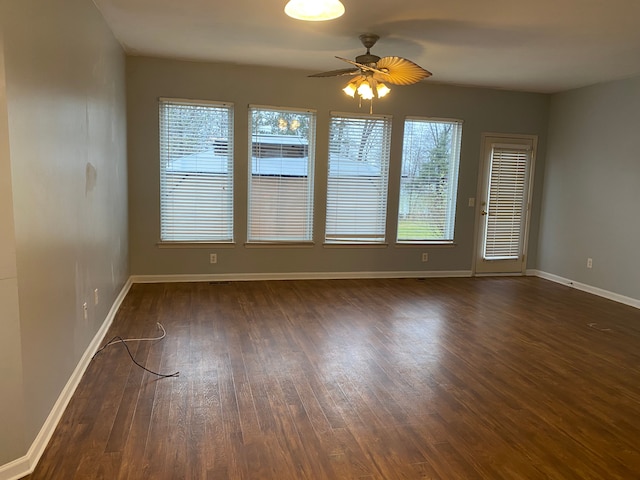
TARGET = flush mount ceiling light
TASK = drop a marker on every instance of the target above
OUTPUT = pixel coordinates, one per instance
(371, 73)
(314, 10)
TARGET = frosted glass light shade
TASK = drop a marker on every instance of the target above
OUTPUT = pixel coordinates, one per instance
(382, 89)
(350, 88)
(314, 10)
(365, 91)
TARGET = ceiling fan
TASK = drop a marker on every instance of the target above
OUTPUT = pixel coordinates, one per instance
(371, 73)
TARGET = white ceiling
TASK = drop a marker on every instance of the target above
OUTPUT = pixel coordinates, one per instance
(536, 45)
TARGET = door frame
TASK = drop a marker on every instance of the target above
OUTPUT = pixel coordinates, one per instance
(481, 190)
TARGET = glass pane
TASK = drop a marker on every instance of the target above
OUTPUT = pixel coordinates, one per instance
(506, 204)
(428, 184)
(281, 175)
(196, 180)
(358, 179)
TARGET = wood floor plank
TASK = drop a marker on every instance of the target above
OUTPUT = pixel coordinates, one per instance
(439, 379)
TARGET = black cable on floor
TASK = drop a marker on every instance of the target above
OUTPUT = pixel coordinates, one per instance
(118, 339)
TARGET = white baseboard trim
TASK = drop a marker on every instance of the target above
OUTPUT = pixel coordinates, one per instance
(239, 277)
(509, 274)
(16, 469)
(632, 302)
(25, 465)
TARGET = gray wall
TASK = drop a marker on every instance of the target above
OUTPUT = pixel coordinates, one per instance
(63, 139)
(592, 188)
(12, 415)
(482, 111)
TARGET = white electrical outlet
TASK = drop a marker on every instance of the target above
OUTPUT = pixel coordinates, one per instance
(213, 258)
(589, 262)
(96, 297)
(85, 311)
(425, 257)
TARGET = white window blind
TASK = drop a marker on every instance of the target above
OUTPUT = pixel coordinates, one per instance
(196, 171)
(358, 178)
(429, 181)
(282, 152)
(506, 207)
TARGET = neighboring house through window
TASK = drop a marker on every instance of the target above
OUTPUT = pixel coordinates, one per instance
(282, 152)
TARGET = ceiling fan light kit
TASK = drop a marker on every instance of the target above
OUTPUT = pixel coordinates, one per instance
(371, 72)
(314, 10)
(367, 87)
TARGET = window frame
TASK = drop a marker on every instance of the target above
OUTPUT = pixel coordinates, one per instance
(227, 223)
(334, 221)
(275, 232)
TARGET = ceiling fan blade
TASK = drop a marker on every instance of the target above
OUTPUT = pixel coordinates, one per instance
(337, 73)
(399, 71)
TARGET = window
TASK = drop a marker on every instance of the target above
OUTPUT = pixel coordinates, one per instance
(429, 181)
(282, 150)
(358, 179)
(507, 201)
(196, 171)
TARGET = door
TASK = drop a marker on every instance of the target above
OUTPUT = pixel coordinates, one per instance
(503, 206)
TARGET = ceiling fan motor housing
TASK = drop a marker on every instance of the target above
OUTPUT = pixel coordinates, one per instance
(368, 40)
(367, 59)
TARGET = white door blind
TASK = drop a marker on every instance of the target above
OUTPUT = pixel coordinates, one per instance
(429, 181)
(196, 171)
(505, 207)
(282, 152)
(358, 178)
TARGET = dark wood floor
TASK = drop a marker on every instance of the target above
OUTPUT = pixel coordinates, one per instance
(490, 378)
